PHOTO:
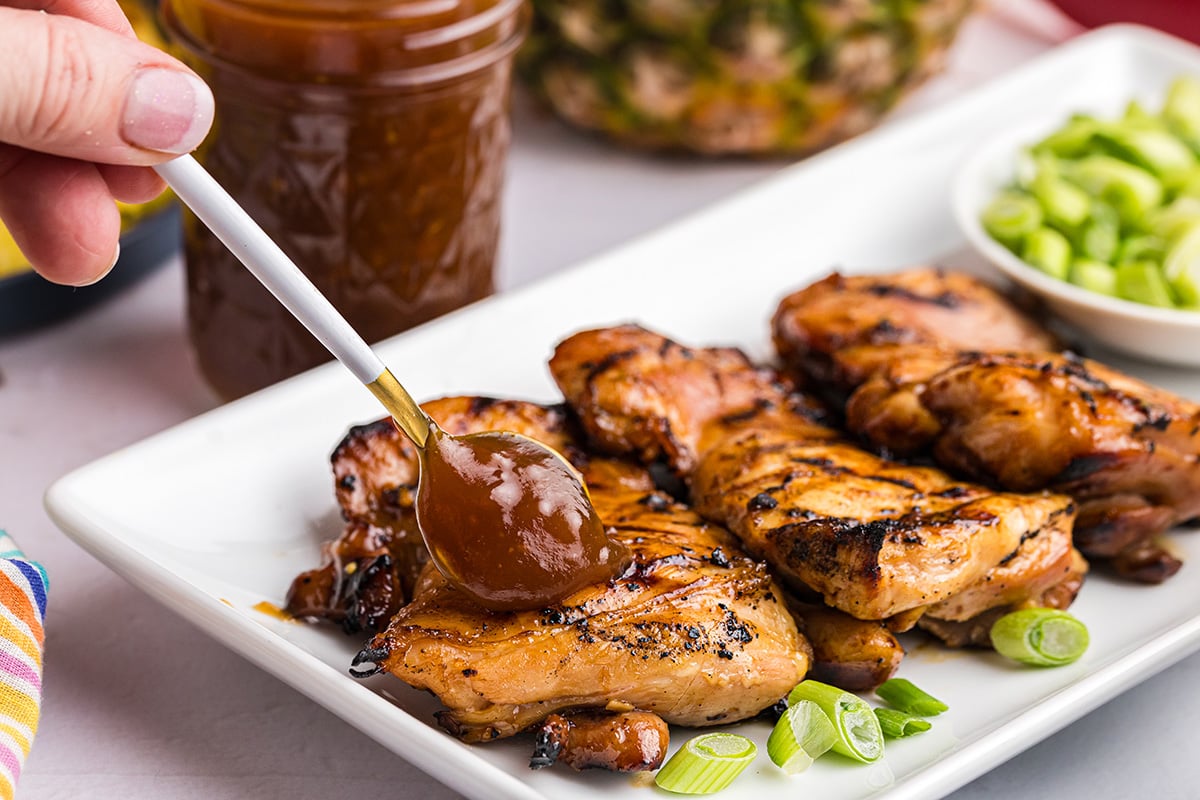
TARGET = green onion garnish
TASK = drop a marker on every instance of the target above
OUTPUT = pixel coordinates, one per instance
(904, 695)
(858, 733)
(896, 724)
(1043, 637)
(706, 764)
(802, 735)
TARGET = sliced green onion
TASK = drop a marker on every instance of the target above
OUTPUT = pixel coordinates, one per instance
(1066, 206)
(1176, 220)
(896, 724)
(858, 733)
(1155, 150)
(1010, 217)
(1142, 248)
(1099, 242)
(1132, 190)
(1095, 276)
(802, 735)
(1138, 114)
(706, 764)
(1182, 109)
(1072, 140)
(1049, 251)
(1043, 637)
(1182, 267)
(904, 695)
(1143, 282)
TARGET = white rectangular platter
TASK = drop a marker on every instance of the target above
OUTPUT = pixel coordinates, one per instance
(218, 514)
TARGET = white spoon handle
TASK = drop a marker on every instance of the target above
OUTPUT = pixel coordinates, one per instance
(233, 226)
(200, 192)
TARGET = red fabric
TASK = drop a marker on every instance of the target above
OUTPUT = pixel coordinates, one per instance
(1180, 17)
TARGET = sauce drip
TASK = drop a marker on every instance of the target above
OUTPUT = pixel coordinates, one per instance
(272, 610)
(509, 522)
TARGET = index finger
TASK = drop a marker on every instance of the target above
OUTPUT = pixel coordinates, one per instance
(105, 13)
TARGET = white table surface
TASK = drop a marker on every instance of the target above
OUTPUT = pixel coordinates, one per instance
(139, 704)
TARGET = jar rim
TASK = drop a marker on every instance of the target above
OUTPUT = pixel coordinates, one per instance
(410, 77)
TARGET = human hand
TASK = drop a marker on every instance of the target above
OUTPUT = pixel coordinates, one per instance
(84, 108)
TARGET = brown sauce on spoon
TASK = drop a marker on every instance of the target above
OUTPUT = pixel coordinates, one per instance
(509, 522)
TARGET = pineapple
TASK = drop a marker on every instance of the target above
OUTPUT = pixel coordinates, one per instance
(734, 76)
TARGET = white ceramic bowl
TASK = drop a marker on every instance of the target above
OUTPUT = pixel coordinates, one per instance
(1164, 335)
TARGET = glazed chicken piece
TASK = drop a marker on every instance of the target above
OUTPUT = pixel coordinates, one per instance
(695, 633)
(369, 572)
(624, 741)
(974, 383)
(1127, 452)
(853, 654)
(816, 327)
(874, 538)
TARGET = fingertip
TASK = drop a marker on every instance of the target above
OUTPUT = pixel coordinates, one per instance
(104, 272)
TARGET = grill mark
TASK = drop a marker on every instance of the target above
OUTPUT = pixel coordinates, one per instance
(1085, 466)
(480, 403)
(1025, 537)
(817, 543)
(610, 360)
(829, 467)
(896, 481)
(361, 434)
(946, 299)
(1159, 422)
(734, 417)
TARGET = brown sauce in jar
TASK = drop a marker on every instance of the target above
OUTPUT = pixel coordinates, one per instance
(509, 522)
(368, 139)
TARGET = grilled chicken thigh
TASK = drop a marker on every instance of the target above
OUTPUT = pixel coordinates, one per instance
(967, 378)
(694, 632)
(874, 538)
(815, 328)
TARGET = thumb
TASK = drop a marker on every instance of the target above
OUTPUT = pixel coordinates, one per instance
(74, 89)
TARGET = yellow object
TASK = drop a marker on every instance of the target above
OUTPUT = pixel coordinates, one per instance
(142, 19)
(11, 258)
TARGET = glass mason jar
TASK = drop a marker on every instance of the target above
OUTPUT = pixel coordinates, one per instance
(368, 138)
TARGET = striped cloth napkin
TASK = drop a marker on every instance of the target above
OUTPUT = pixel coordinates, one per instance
(23, 585)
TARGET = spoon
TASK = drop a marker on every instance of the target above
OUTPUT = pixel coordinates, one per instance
(505, 518)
